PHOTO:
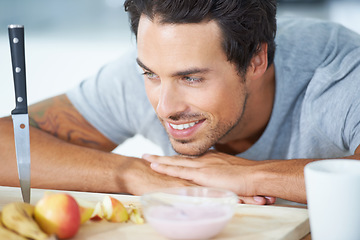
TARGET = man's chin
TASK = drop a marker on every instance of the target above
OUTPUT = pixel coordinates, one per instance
(188, 149)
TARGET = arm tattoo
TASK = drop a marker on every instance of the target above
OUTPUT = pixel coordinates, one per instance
(33, 123)
(58, 117)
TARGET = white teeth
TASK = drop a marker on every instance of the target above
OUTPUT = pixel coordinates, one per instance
(183, 126)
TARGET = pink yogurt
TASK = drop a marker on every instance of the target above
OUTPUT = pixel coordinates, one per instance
(189, 221)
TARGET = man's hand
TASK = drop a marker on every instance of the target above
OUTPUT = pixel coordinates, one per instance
(139, 178)
(213, 169)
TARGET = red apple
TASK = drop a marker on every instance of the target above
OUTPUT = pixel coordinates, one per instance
(58, 214)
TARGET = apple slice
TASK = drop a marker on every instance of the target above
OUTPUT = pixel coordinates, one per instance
(114, 210)
(86, 209)
(97, 214)
(111, 210)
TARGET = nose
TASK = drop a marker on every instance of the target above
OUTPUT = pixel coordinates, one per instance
(171, 101)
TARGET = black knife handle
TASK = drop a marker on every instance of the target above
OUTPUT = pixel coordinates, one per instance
(17, 47)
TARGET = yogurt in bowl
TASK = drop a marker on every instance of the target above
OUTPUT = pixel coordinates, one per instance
(189, 212)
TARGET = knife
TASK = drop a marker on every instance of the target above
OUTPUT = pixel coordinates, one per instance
(20, 113)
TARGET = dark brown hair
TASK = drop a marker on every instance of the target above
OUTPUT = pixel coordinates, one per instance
(245, 24)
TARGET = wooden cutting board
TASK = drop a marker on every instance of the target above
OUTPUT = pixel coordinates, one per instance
(249, 221)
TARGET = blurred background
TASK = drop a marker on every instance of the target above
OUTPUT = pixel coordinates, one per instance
(69, 40)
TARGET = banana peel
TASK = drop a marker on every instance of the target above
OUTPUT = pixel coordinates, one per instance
(8, 234)
(18, 217)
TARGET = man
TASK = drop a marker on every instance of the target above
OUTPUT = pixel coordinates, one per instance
(223, 99)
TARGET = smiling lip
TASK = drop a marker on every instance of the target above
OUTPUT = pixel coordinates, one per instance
(185, 130)
(183, 126)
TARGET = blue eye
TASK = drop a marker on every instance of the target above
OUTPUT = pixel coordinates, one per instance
(150, 75)
(192, 79)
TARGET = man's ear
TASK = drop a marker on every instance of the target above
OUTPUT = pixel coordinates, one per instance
(258, 63)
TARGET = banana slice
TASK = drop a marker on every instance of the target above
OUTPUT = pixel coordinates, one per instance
(17, 216)
(8, 234)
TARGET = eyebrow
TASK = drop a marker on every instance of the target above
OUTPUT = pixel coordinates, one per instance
(176, 74)
(143, 65)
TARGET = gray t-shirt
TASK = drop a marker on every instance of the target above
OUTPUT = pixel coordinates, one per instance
(316, 113)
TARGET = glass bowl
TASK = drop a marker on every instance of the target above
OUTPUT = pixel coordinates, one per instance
(189, 212)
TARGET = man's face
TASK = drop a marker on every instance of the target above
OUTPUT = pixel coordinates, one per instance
(197, 94)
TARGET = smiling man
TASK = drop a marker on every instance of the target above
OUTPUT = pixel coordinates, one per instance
(208, 87)
(189, 82)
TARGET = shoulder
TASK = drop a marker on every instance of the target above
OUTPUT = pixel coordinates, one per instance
(309, 44)
(314, 36)
(294, 27)
(120, 78)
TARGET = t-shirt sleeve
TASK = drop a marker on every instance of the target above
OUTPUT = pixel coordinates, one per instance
(104, 99)
(335, 94)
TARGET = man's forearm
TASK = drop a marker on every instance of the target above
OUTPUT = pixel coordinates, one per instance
(272, 178)
(285, 178)
(60, 165)
(56, 164)
(282, 178)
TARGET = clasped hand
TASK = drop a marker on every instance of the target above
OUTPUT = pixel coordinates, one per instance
(213, 169)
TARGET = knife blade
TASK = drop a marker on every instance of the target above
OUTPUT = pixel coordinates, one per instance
(20, 113)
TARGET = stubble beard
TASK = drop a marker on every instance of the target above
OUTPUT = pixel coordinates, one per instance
(215, 134)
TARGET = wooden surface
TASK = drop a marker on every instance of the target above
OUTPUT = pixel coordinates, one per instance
(249, 221)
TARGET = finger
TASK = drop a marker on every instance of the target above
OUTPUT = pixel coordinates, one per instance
(174, 171)
(172, 160)
(149, 157)
(270, 200)
(255, 200)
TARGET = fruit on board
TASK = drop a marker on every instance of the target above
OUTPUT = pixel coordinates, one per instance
(18, 217)
(114, 210)
(86, 209)
(8, 234)
(135, 214)
(58, 214)
(20, 223)
(110, 209)
(97, 213)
